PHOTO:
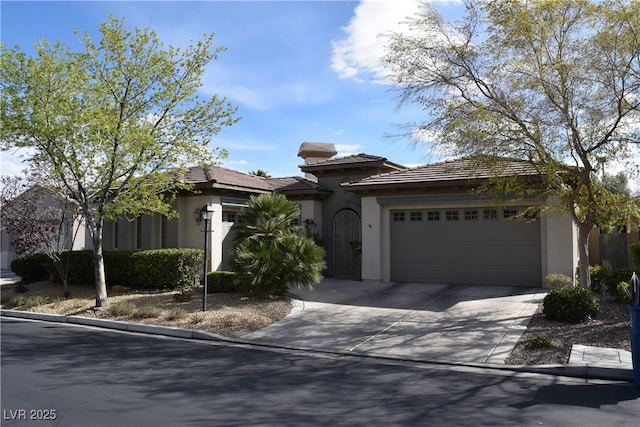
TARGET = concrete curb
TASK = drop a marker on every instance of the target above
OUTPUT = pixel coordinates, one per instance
(574, 370)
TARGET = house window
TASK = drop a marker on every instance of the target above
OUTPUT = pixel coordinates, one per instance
(470, 215)
(433, 216)
(116, 233)
(163, 231)
(510, 214)
(490, 214)
(139, 232)
(415, 216)
(452, 215)
(398, 216)
(229, 216)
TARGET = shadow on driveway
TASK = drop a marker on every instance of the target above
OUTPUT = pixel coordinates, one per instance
(452, 323)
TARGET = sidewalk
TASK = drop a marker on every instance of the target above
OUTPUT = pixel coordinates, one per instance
(8, 277)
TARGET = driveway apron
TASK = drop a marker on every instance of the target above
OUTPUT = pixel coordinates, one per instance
(435, 322)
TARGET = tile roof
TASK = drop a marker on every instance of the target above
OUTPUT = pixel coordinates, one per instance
(352, 160)
(294, 184)
(447, 171)
(219, 176)
(222, 177)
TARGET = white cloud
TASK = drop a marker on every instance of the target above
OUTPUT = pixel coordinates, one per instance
(363, 46)
(263, 93)
(235, 163)
(348, 149)
(11, 163)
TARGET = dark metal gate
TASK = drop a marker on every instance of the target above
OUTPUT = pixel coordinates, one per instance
(614, 250)
(346, 244)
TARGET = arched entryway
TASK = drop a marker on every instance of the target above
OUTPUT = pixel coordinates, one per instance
(347, 242)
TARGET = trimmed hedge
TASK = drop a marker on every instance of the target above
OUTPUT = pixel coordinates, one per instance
(573, 305)
(34, 268)
(224, 282)
(154, 269)
(166, 268)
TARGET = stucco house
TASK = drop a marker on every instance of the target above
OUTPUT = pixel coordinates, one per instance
(378, 221)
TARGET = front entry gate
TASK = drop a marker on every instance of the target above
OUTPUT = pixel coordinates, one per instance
(347, 242)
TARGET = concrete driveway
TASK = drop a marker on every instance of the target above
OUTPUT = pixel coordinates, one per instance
(435, 322)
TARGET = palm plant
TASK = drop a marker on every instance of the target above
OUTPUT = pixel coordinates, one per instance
(272, 254)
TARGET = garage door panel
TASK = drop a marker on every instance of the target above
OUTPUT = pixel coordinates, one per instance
(498, 252)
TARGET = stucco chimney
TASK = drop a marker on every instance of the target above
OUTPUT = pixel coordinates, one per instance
(313, 152)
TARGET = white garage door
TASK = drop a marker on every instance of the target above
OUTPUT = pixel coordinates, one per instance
(483, 246)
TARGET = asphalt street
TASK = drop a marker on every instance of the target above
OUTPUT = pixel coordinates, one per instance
(87, 376)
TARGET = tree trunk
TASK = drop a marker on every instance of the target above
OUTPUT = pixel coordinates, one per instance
(98, 265)
(583, 255)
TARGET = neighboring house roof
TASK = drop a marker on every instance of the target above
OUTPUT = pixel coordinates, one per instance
(223, 178)
(451, 172)
(360, 161)
(298, 186)
(218, 177)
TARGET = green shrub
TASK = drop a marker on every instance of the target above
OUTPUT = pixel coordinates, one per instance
(573, 305)
(167, 268)
(615, 277)
(223, 282)
(556, 281)
(599, 276)
(118, 268)
(122, 308)
(621, 294)
(539, 342)
(80, 267)
(20, 288)
(33, 268)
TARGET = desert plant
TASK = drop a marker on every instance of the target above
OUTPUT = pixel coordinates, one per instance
(122, 308)
(177, 314)
(147, 312)
(573, 305)
(272, 254)
(183, 295)
(29, 301)
(557, 281)
(538, 342)
(196, 318)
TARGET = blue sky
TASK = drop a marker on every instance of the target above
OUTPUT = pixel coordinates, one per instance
(298, 72)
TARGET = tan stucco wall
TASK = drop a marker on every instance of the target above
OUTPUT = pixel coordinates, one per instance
(312, 210)
(371, 240)
(559, 245)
